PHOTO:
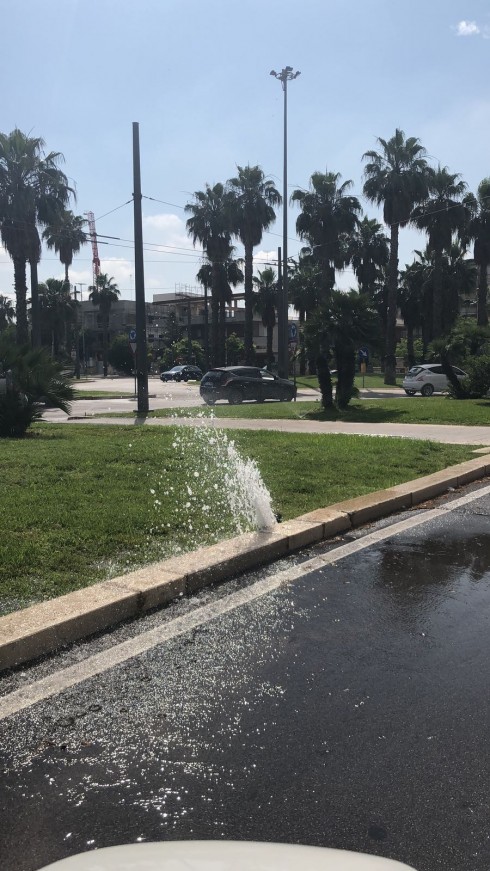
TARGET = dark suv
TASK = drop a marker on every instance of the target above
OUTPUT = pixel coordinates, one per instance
(240, 383)
(182, 373)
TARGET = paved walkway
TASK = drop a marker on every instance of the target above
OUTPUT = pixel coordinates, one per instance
(457, 435)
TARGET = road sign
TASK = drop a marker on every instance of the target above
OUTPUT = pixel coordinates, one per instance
(363, 355)
(292, 333)
(132, 335)
(132, 345)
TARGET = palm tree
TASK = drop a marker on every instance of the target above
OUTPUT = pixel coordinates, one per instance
(329, 216)
(411, 300)
(342, 323)
(480, 232)
(7, 312)
(265, 305)
(33, 375)
(254, 198)
(229, 275)
(32, 191)
(396, 178)
(66, 235)
(56, 314)
(369, 254)
(445, 214)
(211, 225)
(304, 285)
(103, 295)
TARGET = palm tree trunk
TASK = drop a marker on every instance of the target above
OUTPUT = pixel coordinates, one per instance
(410, 350)
(35, 313)
(215, 315)
(248, 329)
(270, 333)
(390, 359)
(20, 283)
(437, 296)
(481, 305)
(302, 354)
(222, 333)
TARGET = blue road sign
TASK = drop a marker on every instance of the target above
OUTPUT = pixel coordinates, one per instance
(363, 355)
(132, 335)
(293, 332)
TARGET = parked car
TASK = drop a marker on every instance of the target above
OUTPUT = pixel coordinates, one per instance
(428, 378)
(240, 383)
(182, 373)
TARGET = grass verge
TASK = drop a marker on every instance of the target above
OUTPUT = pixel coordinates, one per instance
(102, 394)
(416, 410)
(371, 382)
(80, 504)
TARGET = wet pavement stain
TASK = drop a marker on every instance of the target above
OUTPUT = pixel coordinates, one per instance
(350, 710)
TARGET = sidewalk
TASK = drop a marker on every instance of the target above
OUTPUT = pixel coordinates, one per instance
(447, 434)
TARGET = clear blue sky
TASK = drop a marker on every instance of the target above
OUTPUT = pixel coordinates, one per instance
(195, 75)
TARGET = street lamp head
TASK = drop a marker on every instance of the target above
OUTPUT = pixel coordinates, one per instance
(273, 73)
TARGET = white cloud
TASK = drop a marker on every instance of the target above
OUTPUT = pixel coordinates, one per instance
(121, 270)
(467, 28)
(262, 258)
(168, 231)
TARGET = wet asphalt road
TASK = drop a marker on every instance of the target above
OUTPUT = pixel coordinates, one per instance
(350, 708)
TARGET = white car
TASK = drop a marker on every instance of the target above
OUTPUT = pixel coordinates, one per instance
(223, 856)
(428, 378)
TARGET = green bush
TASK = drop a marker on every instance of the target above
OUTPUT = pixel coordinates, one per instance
(17, 413)
(477, 383)
(31, 378)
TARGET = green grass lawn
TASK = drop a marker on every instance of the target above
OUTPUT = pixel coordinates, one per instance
(82, 503)
(373, 382)
(102, 394)
(416, 409)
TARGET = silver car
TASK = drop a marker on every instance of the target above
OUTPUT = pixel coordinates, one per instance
(428, 378)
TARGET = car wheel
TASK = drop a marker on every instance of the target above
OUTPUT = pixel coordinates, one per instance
(185, 377)
(210, 400)
(410, 392)
(285, 397)
(235, 397)
(427, 390)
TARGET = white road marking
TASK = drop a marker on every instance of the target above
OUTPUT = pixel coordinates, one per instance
(62, 680)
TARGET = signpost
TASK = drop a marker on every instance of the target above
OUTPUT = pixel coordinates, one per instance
(363, 358)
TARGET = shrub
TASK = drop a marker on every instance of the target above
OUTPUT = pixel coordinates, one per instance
(33, 377)
(478, 381)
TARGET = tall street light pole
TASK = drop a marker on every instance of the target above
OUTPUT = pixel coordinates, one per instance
(285, 76)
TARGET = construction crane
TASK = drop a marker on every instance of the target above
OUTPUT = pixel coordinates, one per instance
(95, 250)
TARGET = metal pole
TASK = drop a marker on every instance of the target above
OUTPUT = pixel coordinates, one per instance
(283, 368)
(189, 337)
(77, 336)
(283, 308)
(141, 353)
(279, 314)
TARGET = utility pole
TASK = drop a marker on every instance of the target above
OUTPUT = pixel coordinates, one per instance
(141, 353)
(285, 76)
(84, 358)
(77, 338)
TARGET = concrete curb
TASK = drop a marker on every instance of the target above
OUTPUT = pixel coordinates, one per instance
(42, 628)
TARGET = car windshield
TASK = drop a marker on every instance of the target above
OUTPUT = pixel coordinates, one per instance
(176, 369)
(415, 370)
